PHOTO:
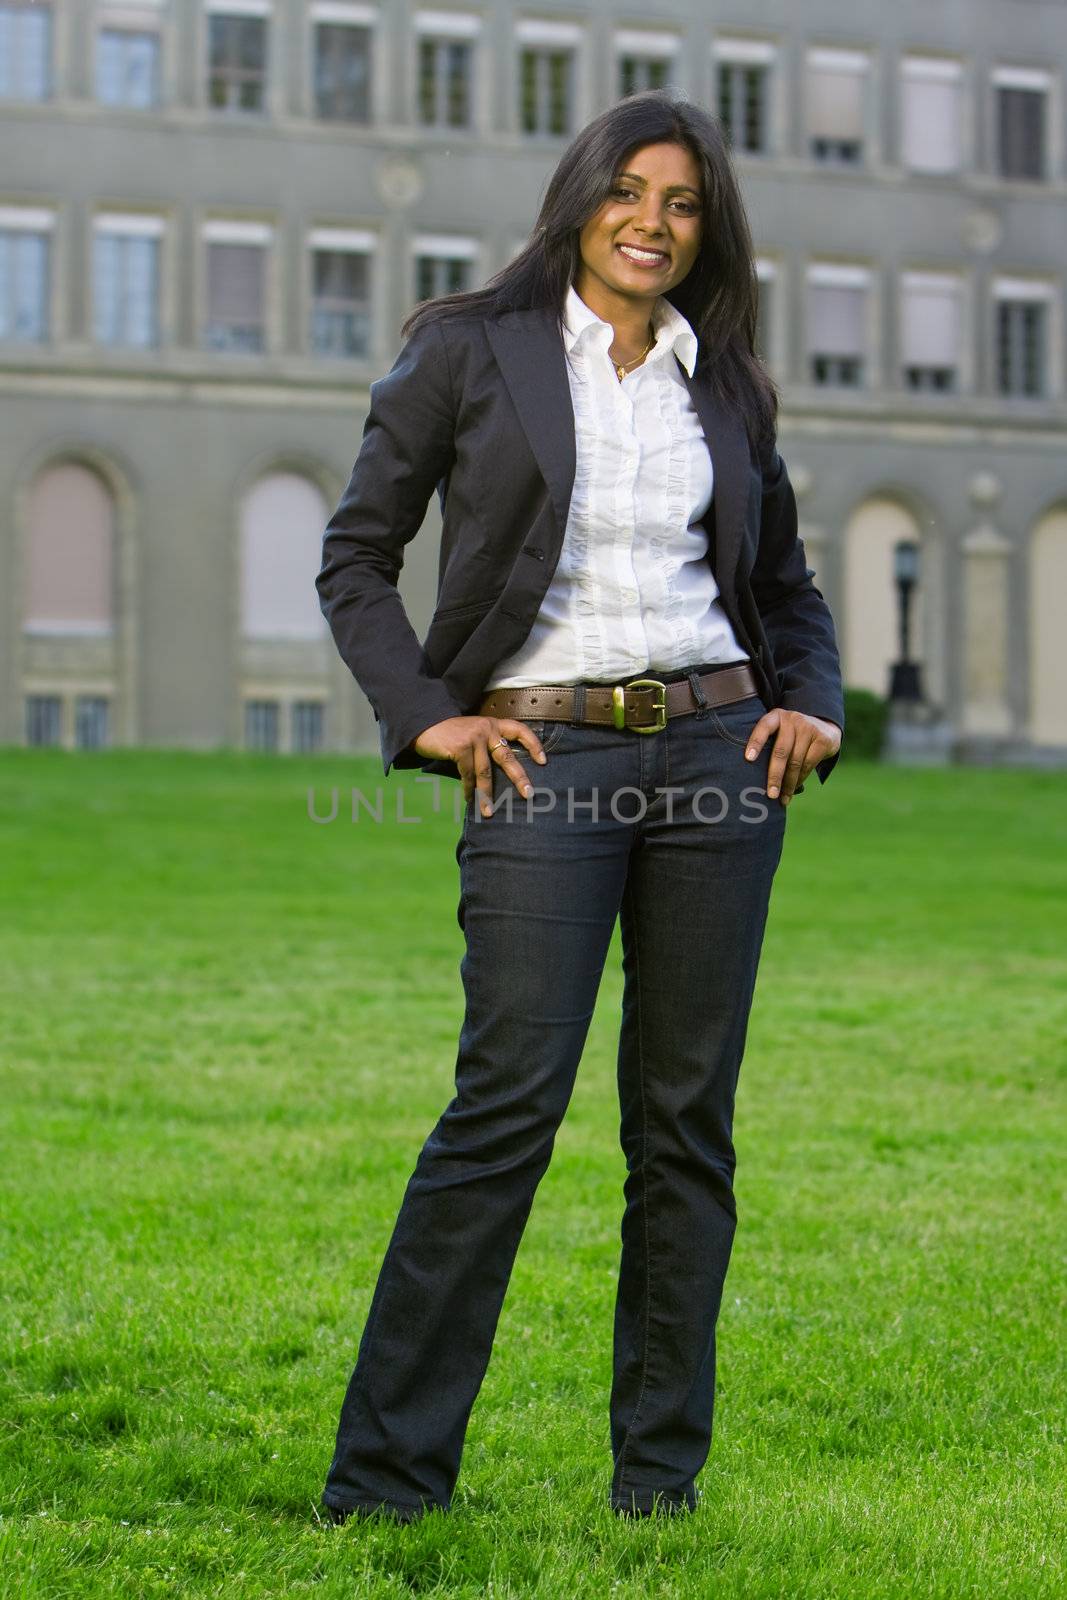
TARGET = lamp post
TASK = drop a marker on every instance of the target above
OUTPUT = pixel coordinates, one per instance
(904, 684)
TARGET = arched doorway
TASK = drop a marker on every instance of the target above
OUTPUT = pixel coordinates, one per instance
(284, 636)
(871, 627)
(69, 664)
(1048, 668)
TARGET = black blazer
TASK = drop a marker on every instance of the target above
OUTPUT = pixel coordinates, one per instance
(481, 409)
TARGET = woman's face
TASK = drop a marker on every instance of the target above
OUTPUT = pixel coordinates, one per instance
(656, 202)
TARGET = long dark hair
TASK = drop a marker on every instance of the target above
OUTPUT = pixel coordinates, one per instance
(719, 295)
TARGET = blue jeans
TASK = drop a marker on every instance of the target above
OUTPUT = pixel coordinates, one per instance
(689, 873)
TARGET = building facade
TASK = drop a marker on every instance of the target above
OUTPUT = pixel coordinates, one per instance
(215, 214)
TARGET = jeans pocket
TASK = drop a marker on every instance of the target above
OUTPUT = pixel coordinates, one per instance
(735, 721)
(549, 732)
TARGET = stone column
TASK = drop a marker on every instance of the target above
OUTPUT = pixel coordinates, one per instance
(985, 570)
(814, 536)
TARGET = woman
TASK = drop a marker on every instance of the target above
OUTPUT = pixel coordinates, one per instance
(602, 437)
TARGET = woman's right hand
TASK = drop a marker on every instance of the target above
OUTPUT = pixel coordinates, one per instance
(470, 742)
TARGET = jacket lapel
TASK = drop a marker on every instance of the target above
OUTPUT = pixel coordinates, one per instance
(728, 443)
(530, 354)
(531, 358)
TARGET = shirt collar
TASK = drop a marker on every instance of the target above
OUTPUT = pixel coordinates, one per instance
(673, 331)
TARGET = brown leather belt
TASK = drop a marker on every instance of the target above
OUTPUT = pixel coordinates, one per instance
(641, 704)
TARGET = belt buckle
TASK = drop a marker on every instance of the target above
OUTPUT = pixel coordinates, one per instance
(618, 705)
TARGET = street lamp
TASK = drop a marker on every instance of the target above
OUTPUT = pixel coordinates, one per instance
(904, 674)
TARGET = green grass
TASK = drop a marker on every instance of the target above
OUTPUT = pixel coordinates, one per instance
(226, 1032)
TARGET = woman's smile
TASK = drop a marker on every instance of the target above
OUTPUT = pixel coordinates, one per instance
(638, 256)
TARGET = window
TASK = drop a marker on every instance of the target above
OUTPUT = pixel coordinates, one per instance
(307, 720)
(1020, 347)
(70, 553)
(343, 72)
(1022, 334)
(237, 61)
(1022, 96)
(340, 311)
(25, 50)
(126, 280)
(442, 265)
(445, 73)
(742, 105)
(547, 91)
(642, 72)
(236, 286)
(645, 60)
(49, 720)
(837, 95)
(766, 274)
(261, 725)
(90, 722)
(931, 329)
(546, 75)
(25, 247)
(931, 114)
(281, 525)
(743, 68)
(837, 315)
(43, 719)
(127, 68)
(266, 720)
(436, 275)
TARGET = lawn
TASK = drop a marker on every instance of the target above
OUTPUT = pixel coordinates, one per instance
(227, 1030)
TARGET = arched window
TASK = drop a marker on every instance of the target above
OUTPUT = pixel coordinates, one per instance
(71, 552)
(283, 518)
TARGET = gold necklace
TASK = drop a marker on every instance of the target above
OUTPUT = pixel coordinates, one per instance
(621, 370)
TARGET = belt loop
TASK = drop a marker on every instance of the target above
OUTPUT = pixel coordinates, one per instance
(578, 705)
(699, 696)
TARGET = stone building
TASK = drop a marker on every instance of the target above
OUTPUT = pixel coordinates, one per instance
(214, 215)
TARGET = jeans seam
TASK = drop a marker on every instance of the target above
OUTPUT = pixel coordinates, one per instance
(644, 1188)
(661, 798)
(359, 1376)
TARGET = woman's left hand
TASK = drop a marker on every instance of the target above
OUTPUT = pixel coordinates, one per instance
(800, 743)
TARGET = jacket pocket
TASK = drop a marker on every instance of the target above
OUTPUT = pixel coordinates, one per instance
(468, 608)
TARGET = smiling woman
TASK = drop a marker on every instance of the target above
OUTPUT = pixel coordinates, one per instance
(625, 598)
(647, 232)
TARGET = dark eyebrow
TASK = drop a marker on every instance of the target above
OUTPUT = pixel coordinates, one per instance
(671, 188)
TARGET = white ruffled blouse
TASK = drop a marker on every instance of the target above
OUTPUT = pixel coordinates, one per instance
(632, 591)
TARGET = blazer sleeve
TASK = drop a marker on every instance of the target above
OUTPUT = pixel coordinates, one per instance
(406, 450)
(795, 616)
